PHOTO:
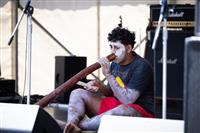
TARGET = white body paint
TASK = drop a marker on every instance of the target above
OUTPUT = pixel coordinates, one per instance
(119, 50)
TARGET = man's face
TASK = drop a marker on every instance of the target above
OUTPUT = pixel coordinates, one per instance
(119, 50)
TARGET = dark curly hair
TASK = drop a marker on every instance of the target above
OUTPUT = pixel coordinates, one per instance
(123, 35)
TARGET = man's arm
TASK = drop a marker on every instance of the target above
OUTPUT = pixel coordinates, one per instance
(125, 95)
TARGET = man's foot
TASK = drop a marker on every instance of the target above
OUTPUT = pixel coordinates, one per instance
(71, 128)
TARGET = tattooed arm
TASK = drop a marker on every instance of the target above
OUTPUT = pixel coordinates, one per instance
(125, 95)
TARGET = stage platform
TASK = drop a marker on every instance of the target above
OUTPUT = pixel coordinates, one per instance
(16, 118)
(59, 111)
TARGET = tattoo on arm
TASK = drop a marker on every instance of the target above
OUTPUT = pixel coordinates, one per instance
(125, 95)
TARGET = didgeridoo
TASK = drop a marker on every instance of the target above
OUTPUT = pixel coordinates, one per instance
(71, 82)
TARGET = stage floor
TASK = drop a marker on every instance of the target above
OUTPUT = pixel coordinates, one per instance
(59, 112)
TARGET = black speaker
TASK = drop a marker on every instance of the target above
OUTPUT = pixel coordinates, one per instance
(175, 61)
(175, 53)
(20, 118)
(179, 16)
(192, 85)
(7, 87)
(65, 68)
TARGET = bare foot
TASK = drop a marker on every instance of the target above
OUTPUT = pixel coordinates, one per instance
(71, 128)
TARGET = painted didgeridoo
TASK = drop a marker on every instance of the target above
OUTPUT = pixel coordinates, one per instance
(71, 82)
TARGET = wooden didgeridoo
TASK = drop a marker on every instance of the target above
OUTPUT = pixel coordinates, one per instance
(71, 82)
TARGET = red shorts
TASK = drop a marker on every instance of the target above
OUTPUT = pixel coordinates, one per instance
(110, 103)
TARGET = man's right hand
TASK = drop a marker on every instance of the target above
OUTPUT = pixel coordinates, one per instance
(92, 86)
(105, 65)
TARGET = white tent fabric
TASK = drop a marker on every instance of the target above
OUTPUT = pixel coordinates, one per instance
(5, 29)
(75, 24)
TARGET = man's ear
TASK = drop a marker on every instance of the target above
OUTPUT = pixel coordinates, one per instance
(129, 48)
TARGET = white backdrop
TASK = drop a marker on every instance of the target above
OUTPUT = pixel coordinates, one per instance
(75, 24)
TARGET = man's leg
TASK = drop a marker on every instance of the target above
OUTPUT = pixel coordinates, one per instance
(121, 110)
(81, 102)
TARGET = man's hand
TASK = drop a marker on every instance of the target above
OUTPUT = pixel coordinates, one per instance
(92, 86)
(105, 64)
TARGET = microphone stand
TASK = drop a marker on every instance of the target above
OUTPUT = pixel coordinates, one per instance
(29, 11)
(163, 17)
(28, 51)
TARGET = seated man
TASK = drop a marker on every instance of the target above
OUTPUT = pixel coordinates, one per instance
(129, 91)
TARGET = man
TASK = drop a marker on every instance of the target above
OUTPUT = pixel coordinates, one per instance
(129, 91)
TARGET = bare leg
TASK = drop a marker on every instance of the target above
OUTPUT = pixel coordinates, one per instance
(121, 110)
(81, 102)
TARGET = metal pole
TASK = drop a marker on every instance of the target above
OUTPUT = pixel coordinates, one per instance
(164, 81)
(29, 52)
(163, 17)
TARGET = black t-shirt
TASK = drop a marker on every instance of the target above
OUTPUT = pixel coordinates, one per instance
(137, 75)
